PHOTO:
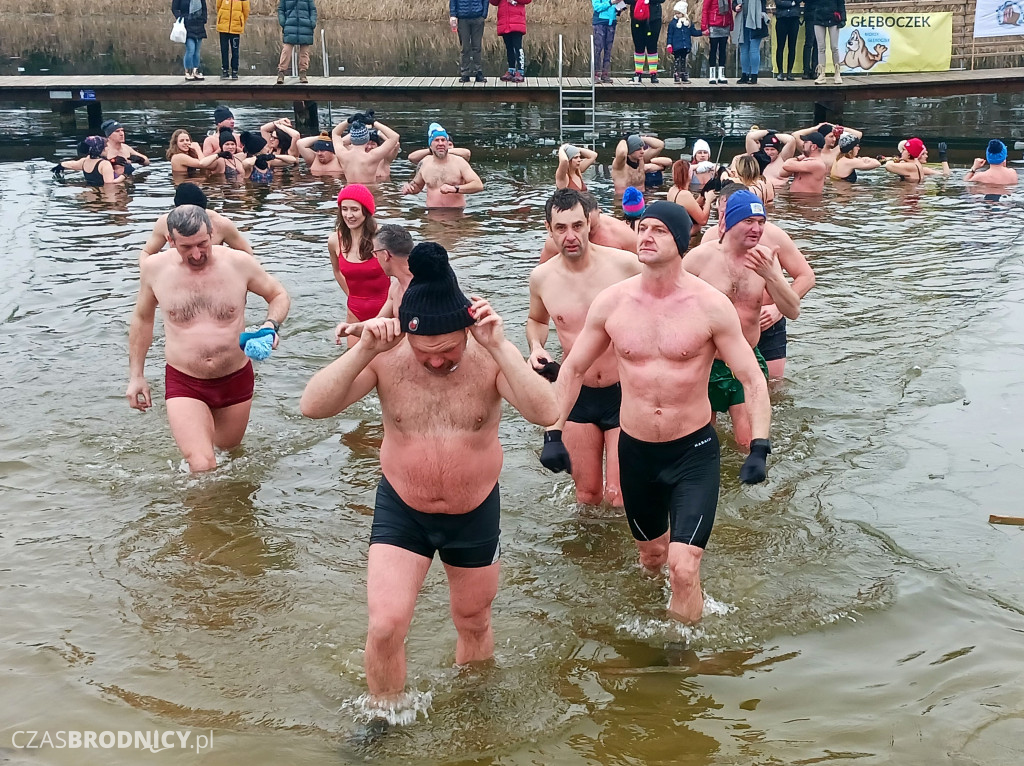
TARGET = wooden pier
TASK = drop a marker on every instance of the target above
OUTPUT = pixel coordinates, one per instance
(66, 93)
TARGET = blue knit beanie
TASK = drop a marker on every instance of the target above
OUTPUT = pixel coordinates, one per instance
(996, 152)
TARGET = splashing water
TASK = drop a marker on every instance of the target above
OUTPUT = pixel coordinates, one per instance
(399, 712)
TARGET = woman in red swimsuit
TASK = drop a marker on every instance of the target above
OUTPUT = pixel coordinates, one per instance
(351, 251)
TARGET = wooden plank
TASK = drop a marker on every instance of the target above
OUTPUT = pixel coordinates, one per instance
(1014, 520)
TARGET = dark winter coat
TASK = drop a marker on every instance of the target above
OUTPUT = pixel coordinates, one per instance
(298, 20)
(678, 37)
(787, 9)
(468, 9)
(511, 15)
(195, 26)
(822, 13)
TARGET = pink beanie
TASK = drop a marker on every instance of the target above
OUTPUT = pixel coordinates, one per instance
(360, 194)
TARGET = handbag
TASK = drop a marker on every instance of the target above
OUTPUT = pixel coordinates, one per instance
(761, 32)
(178, 32)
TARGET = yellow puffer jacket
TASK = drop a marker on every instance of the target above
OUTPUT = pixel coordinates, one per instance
(231, 16)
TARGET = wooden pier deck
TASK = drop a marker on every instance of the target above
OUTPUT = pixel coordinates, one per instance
(85, 88)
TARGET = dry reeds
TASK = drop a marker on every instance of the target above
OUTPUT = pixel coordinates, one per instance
(569, 12)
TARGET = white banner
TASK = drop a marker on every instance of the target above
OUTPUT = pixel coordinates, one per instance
(999, 18)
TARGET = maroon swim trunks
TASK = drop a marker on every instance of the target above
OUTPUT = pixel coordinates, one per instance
(213, 392)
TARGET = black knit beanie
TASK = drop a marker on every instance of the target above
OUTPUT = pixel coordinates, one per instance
(675, 218)
(188, 193)
(433, 304)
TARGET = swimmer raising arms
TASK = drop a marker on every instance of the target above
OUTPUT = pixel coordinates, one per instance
(447, 178)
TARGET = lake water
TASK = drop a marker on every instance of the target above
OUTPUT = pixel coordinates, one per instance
(862, 608)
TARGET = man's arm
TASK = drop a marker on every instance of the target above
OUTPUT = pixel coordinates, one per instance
(794, 166)
(415, 186)
(390, 145)
(470, 183)
(789, 146)
(537, 324)
(349, 378)
(621, 151)
(517, 383)
(654, 147)
(272, 291)
(764, 262)
(305, 147)
(589, 346)
(140, 338)
(157, 239)
(136, 156)
(795, 264)
(234, 239)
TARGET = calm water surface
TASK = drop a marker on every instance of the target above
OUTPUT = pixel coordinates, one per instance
(861, 607)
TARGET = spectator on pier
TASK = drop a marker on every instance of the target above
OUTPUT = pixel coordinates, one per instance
(787, 26)
(606, 16)
(194, 14)
(298, 22)
(678, 43)
(511, 28)
(467, 17)
(645, 25)
(716, 24)
(231, 17)
(750, 28)
(827, 17)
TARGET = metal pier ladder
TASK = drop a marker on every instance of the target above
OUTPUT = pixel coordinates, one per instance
(576, 104)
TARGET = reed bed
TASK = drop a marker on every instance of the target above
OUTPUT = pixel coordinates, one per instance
(563, 12)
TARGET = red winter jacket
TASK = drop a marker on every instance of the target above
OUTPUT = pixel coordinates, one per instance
(710, 16)
(511, 15)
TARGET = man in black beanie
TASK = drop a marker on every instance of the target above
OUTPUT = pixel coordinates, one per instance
(224, 232)
(441, 371)
(666, 328)
(223, 120)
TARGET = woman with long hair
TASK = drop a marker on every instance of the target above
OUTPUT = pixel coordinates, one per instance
(699, 207)
(350, 247)
(748, 173)
(186, 156)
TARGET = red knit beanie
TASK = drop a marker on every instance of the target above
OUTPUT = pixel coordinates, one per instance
(360, 194)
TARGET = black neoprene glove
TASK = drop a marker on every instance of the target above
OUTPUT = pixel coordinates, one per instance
(554, 456)
(369, 115)
(225, 154)
(755, 468)
(549, 371)
(943, 148)
(58, 170)
(138, 159)
(263, 159)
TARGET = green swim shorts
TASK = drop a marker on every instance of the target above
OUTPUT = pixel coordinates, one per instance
(723, 389)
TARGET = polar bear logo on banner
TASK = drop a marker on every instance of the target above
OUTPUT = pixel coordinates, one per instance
(857, 54)
(1010, 14)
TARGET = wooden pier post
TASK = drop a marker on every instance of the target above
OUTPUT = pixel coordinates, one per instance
(306, 115)
(829, 110)
(95, 111)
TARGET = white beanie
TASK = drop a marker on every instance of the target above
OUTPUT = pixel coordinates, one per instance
(700, 145)
(680, 7)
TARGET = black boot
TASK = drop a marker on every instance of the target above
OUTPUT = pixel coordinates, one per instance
(743, 80)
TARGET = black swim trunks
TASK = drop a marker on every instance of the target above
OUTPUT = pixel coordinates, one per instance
(599, 406)
(671, 485)
(772, 343)
(463, 540)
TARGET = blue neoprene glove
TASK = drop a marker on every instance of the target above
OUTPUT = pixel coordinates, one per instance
(258, 345)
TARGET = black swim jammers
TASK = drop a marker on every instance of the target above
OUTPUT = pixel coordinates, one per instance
(772, 343)
(599, 406)
(671, 485)
(469, 540)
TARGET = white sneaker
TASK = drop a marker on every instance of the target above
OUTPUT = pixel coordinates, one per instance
(838, 80)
